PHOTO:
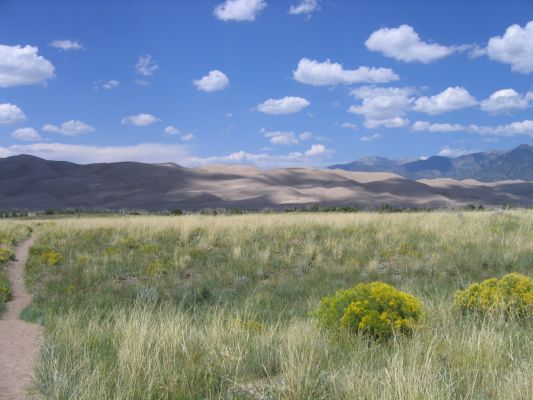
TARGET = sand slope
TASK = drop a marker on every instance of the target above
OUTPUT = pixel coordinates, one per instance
(28, 182)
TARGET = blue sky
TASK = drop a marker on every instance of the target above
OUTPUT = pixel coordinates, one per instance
(268, 82)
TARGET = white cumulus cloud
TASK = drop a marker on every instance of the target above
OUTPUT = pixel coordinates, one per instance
(10, 114)
(451, 99)
(404, 44)
(318, 150)
(69, 128)
(66, 44)
(305, 7)
(139, 120)
(146, 66)
(213, 81)
(285, 105)
(23, 66)
(26, 134)
(383, 106)
(326, 73)
(515, 47)
(239, 10)
(280, 137)
(506, 101)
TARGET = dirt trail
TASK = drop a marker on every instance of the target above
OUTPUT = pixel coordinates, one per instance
(19, 340)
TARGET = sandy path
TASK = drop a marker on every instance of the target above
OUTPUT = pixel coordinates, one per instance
(19, 341)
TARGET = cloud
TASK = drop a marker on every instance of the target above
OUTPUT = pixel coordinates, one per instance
(396, 122)
(424, 126)
(106, 85)
(383, 106)
(187, 137)
(66, 44)
(26, 134)
(143, 152)
(329, 74)
(304, 136)
(213, 81)
(10, 114)
(139, 120)
(515, 47)
(506, 101)
(371, 138)
(349, 125)
(239, 10)
(23, 66)
(173, 131)
(515, 128)
(69, 128)
(449, 152)
(404, 44)
(285, 105)
(283, 138)
(318, 150)
(451, 99)
(146, 66)
(305, 7)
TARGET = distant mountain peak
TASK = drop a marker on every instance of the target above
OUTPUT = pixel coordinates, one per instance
(487, 166)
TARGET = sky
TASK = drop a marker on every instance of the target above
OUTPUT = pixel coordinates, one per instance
(267, 82)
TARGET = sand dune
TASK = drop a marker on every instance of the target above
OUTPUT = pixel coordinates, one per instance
(31, 183)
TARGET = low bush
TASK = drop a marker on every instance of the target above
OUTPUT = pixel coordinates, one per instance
(52, 258)
(6, 255)
(510, 296)
(375, 309)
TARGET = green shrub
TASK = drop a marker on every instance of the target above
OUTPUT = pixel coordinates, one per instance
(375, 309)
(5, 293)
(511, 296)
(6, 255)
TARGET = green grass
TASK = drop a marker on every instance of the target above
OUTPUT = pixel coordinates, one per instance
(11, 233)
(203, 307)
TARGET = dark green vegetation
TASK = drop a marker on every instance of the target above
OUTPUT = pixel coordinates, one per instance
(218, 307)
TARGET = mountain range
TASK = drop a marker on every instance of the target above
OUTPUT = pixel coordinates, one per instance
(485, 167)
(32, 183)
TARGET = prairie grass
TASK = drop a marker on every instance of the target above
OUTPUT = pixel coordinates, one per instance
(218, 307)
(11, 233)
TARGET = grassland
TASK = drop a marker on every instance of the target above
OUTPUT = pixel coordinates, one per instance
(218, 307)
(11, 233)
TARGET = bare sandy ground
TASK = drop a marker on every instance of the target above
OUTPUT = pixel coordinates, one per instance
(19, 340)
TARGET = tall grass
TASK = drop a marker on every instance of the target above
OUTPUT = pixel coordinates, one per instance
(11, 233)
(200, 307)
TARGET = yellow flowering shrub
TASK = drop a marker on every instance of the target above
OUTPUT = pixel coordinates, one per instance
(156, 267)
(375, 309)
(52, 258)
(251, 324)
(511, 296)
